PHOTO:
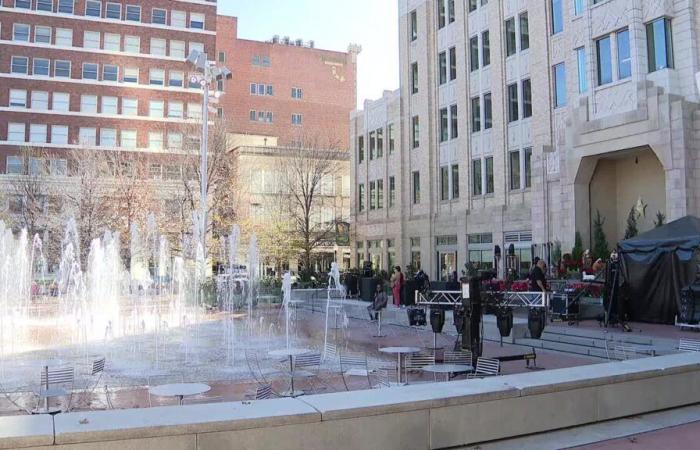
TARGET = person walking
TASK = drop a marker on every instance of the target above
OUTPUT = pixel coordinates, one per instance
(397, 281)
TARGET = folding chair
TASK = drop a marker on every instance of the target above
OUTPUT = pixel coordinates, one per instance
(486, 367)
(354, 365)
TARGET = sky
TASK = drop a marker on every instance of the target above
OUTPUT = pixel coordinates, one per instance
(333, 24)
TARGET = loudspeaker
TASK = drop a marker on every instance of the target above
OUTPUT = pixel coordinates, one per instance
(536, 318)
(504, 321)
(437, 319)
(416, 317)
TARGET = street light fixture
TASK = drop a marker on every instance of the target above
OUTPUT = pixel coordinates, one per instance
(205, 73)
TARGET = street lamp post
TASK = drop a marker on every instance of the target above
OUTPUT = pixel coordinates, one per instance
(206, 73)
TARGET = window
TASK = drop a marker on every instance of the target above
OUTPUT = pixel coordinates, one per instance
(59, 134)
(59, 167)
(454, 122)
(450, 11)
(453, 63)
(90, 71)
(527, 157)
(128, 139)
(557, 17)
(110, 72)
(176, 78)
(444, 125)
(624, 57)
(380, 194)
(372, 145)
(514, 170)
(415, 131)
(93, 8)
(474, 53)
(444, 183)
(131, 75)
(481, 251)
(132, 44)
(222, 57)
(380, 143)
(42, 35)
(177, 19)
(15, 132)
(112, 42)
(20, 32)
(416, 188)
(392, 192)
(472, 5)
(196, 46)
(485, 48)
(441, 13)
(113, 11)
(175, 141)
(361, 197)
(175, 110)
(159, 16)
(108, 137)
(91, 39)
(156, 77)
(582, 69)
(157, 47)
(476, 115)
(44, 5)
(559, 85)
(414, 78)
(15, 166)
(660, 44)
(527, 98)
(156, 108)
(87, 136)
(455, 181)
(130, 107)
(488, 112)
(109, 105)
(155, 140)
(24, 4)
(604, 60)
(414, 25)
(18, 98)
(296, 119)
(578, 7)
(489, 174)
(524, 32)
(477, 182)
(197, 21)
(41, 67)
(133, 13)
(510, 37)
(194, 111)
(65, 6)
(442, 63)
(40, 100)
(297, 93)
(391, 137)
(20, 64)
(360, 148)
(61, 101)
(37, 133)
(177, 49)
(513, 114)
(64, 37)
(88, 104)
(61, 69)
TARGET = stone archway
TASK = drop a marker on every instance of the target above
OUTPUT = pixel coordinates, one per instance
(613, 183)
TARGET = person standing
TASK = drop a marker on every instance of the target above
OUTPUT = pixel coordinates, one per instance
(397, 281)
(538, 280)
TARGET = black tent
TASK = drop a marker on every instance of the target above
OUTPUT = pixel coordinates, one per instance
(655, 266)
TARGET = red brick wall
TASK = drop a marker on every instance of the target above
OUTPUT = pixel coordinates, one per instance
(327, 78)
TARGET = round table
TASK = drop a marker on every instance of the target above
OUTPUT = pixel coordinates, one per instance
(447, 369)
(290, 353)
(179, 390)
(399, 351)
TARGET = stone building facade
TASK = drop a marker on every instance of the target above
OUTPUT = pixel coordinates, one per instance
(522, 119)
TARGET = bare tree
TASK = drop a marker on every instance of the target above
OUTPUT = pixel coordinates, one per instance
(307, 170)
(28, 191)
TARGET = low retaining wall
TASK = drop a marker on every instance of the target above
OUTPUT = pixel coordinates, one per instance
(438, 415)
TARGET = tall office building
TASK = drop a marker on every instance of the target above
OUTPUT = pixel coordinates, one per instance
(521, 120)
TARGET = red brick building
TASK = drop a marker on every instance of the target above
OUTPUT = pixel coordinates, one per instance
(285, 88)
(101, 74)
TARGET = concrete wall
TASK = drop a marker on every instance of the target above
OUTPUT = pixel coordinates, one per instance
(424, 416)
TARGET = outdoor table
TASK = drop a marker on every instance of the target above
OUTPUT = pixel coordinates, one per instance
(399, 351)
(447, 369)
(290, 353)
(179, 390)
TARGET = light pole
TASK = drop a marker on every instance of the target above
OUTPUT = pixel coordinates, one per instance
(206, 73)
